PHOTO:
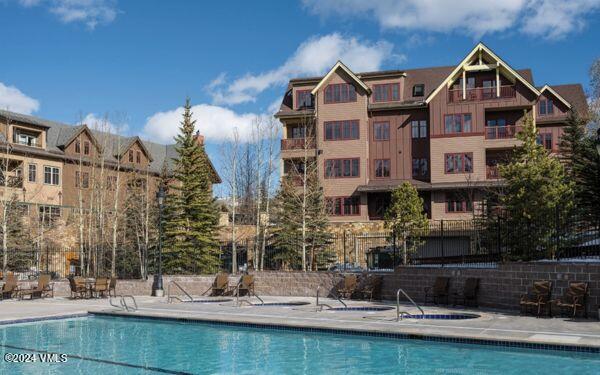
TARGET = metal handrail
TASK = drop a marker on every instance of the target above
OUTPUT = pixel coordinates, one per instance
(123, 302)
(319, 306)
(237, 297)
(398, 304)
(169, 297)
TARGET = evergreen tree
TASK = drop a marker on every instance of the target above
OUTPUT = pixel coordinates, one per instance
(191, 215)
(537, 197)
(406, 218)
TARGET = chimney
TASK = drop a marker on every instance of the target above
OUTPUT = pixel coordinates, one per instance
(199, 138)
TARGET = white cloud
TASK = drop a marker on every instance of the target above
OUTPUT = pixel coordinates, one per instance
(546, 18)
(105, 124)
(89, 12)
(216, 123)
(12, 99)
(313, 57)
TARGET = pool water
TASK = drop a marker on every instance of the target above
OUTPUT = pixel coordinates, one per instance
(109, 345)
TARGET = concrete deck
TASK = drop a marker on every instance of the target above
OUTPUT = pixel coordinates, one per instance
(489, 326)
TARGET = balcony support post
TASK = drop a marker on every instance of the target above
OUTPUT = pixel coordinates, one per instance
(497, 80)
(464, 84)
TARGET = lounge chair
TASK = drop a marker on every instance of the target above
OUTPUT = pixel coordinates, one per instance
(77, 289)
(348, 286)
(245, 286)
(574, 299)
(469, 293)
(100, 287)
(112, 287)
(370, 286)
(10, 287)
(538, 299)
(220, 285)
(439, 291)
(43, 289)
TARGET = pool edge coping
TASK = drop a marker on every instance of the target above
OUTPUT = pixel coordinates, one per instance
(449, 338)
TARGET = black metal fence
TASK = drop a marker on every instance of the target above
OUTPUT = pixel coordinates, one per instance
(474, 243)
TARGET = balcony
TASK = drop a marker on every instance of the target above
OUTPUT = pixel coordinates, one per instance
(501, 132)
(297, 144)
(492, 172)
(481, 93)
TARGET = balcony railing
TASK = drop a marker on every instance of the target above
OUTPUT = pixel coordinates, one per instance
(297, 143)
(492, 172)
(481, 93)
(501, 132)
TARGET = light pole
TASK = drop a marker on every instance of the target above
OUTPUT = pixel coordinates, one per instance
(158, 282)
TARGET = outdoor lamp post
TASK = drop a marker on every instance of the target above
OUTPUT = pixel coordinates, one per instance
(158, 281)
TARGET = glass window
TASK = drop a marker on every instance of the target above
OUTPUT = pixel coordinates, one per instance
(304, 99)
(340, 93)
(423, 128)
(342, 206)
(51, 176)
(546, 107)
(86, 148)
(138, 157)
(460, 123)
(32, 173)
(341, 130)
(458, 202)
(77, 147)
(419, 90)
(386, 92)
(381, 131)
(382, 168)
(131, 156)
(459, 163)
(414, 127)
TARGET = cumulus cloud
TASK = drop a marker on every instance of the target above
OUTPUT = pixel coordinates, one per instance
(89, 12)
(105, 123)
(216, 123)
(12, 99)
(546, 18)
(313, 57)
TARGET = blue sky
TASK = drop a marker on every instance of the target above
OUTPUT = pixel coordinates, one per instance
(137, 61)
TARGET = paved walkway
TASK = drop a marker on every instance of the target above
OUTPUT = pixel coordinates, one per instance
(490, 325)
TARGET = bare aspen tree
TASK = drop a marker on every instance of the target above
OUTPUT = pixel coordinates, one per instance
(115, 223)
(230, 155)
(8, 199)
(257, 139)
(272, 132)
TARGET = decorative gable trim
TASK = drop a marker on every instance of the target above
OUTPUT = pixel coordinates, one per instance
(82, 128)
(340, 65)
(134, 140)
(556, 95)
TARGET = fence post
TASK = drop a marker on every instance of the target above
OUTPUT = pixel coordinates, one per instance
(344, 246)
(443, 239)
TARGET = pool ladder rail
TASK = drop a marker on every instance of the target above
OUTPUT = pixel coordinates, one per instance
(238, 303)
(319, 306)
(400, 314)
(170, 297)
(122, 302)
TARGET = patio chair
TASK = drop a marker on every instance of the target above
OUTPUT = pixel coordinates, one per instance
(439, 291)
(77, 289)
(220, 285)
(469, 293)
(10, 287)
(370, 286)
(245, 286)
(538, 299)
(574, 299)
(100, 287)
(112, 287)
(348, 286)
(43, 289)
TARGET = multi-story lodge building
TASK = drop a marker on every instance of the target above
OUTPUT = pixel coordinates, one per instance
(444, 129)
(52, 166)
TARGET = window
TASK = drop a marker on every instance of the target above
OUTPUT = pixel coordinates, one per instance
(382, 168)
(338, 168)
(341, 130)
(49, 214)
(459, 163)
(545, 139)
(138, 157)
(419, 167)
(340, 93)
(111, 182)
(419, 90)
(460, 123)
(456, 202)
(24, 138)
(381, 131)
(304, 99)
(498, 122)
(32, 175)
(470, 83)
(82, 180)
(389, 92)
(297, 132)
(418, 129)
(77, 147)
(86, 148)
(546, 107)
(131, 156)
(51, 175)
(342, 206)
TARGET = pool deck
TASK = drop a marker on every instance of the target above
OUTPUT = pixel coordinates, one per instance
(491, 325)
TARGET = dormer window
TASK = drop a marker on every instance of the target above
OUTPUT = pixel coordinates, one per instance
(26, 138)
(131, 156)
(419, 90)
(86, 148)
(304, 99)
(389, 92)
(340, 93)
(138, 157)
(77, 147)
(546, 107)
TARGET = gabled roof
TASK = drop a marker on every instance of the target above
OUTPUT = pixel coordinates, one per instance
(340, 65)
(480, 47)
(130, 142)
(68, 135)
(556, 95)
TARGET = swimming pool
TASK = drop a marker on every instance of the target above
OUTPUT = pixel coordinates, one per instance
(99, 344)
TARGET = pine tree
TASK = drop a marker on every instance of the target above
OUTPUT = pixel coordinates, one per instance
(191, 215)
(406, 218)
(537, 196)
